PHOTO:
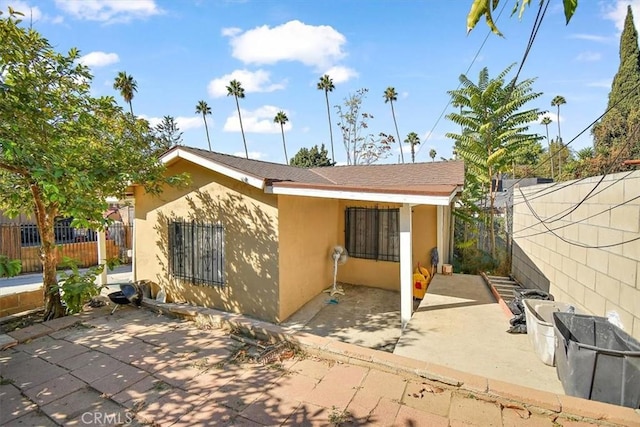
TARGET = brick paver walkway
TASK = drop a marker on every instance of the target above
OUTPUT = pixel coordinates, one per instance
(137, 368)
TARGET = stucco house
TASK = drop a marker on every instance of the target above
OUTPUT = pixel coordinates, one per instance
(255, 237)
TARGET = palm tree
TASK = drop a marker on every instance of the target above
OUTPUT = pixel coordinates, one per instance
(236, 90)
(391, 95)
(326, 84)
(413, 139)
(432, 154)
(557, 101)
(546, 121)
(203, 108)
(127, 86)
(281, 118)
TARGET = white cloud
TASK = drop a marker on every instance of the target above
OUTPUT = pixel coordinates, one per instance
(256, 121)
(317, 46)
(186, 123)
(252, 81)
(30, 12)
(404, 95)
(230, 31)
(589, 56)
(617, 12)
(99, 59)
(341, 74)
(590, 37)
(605, 83)
(255, 155)
(109, 10)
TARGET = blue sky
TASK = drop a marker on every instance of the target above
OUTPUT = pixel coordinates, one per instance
(184, 51)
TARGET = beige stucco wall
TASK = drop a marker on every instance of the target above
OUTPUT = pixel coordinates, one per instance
(386, 274)
(250, 220)
(597, 280)
(308, 229)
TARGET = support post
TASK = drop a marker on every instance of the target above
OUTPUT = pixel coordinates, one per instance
(406, 265)
(102, 256)
(440, 230)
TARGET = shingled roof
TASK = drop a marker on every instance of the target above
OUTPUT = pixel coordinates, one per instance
(426, 179)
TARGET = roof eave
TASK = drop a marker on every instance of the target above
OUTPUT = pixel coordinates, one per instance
(173, 156)
(370, 196)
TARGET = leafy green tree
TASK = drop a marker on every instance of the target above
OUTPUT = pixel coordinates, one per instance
(62, 151)
(168, 133)
(390, 96)
(433, 154)
(203, 108)
(546, 121)
(413, 139)
(281, 118)
(362, 148)
(127, 86)
(326, 84)
(480, 8)
(313, 157)
(236, 90)
(494, 128)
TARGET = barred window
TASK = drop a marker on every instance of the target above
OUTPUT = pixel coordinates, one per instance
(373, 233)
(196, 252)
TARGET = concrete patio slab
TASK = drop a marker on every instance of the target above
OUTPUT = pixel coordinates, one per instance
(304, 390)
(460, 325)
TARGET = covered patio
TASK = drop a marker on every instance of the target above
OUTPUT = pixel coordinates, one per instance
(458, 324)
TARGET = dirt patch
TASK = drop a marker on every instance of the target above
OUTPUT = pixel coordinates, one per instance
(12, 323)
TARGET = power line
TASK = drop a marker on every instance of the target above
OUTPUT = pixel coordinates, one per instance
(561, 215)
(576, 222)
(571, 242)
(444, 110)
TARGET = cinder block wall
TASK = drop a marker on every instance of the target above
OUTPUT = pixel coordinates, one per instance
(581, 260)
(23, 301)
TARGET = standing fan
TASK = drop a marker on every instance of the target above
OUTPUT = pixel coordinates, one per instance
(339, 256)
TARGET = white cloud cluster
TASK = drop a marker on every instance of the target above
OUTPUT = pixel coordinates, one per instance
(99, 59)
(318, 46)
(109, 11)
(616, 11)
(31, 13)
(341, 74)
(256, 121)
(252, 81)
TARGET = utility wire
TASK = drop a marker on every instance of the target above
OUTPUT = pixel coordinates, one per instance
(571, 242)
(582, 220)
(444, 110)
(561, 215)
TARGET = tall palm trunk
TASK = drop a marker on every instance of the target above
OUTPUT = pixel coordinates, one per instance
(246, 151)
(395, 123)
(206, 128)
(131, 107)
(560, 147)
(550, 150)
(326, 97)
(413, 154)
(284, 144)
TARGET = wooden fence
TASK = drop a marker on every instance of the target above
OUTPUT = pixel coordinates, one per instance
(15, 243)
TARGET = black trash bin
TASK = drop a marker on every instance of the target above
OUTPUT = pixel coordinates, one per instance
(596, 360)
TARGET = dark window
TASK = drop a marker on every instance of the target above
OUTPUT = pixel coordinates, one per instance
(373, 233)
(196, 252)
